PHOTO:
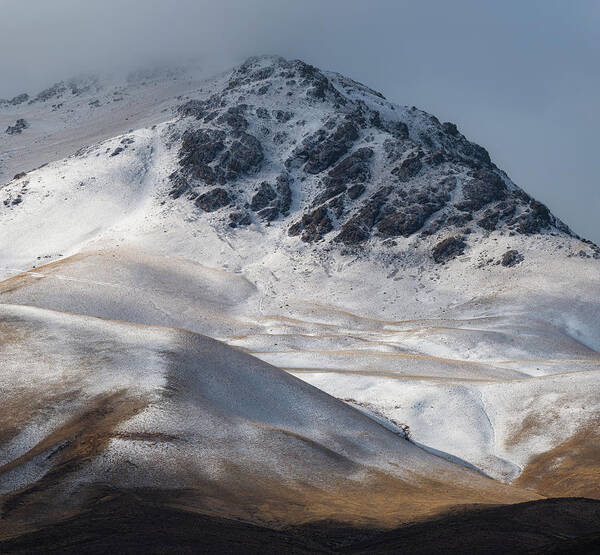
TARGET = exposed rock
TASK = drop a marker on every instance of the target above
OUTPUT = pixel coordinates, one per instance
(239, 218)
(313, 225)
(263, 197)
(55, 91)
(244, 157)
(201, 147)
(234, 118)
(485, 187)
(356, 190)
(410, 167)
(450, 128)
(17, 128)
(448, 248)
(535, 219)
(19, 99)
(213, 200)
(511, 258)
(352, 169)
(403, 222)
(194, 108)
(320, 151)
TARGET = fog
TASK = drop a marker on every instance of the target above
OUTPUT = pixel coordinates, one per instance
(520, 78)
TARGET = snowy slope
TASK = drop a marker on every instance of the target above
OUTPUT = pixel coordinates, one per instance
(165, 211)
(100, 404)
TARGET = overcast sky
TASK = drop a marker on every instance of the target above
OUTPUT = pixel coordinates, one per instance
(522, 78)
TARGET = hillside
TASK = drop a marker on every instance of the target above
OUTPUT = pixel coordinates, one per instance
(299, 217)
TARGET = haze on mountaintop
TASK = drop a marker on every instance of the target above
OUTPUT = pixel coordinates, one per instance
(516, 78)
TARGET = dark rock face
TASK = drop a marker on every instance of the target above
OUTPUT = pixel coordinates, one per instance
(402, 222)
(55, 91)
(535, 219)
(358, 228)
(410, 167)
(511, 258)
(237, 219)
(365, 173)
(263, 197)
(245, 156)
(194, 108)
(313, 225)
(448, 248)
(234, 118)
(19, 99)
(352, 169)
(17, 128)
(213, 200)
(203, 147)
(320, 151)
(272, 201)
(485, 187)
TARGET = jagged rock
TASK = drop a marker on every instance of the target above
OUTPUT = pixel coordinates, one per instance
(403, 222)
(194, 108)
(485, 187)
(269, 202)
(428, 179)
(448, 248)
(19, 99)
(320, 151)
(410, 167)
(17, 128)
(283, 116)
(263, 197)
(358, 228)
(234, 118)
(237, 219)
(356, 190)
(54, 91)
(201, 147)
(511, 258)
(180, 185)
(213, 200)
(489, 220)
(245, 156)
(398, 129)
(450, 128)
(352, 169)
(262, 113)
(535, 219)
(313, 225)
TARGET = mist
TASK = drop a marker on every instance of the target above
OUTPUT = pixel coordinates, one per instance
(521, 79)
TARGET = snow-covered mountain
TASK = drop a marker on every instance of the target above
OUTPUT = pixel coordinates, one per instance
(297, 215)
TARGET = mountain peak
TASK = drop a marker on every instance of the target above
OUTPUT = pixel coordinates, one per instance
(332, 160)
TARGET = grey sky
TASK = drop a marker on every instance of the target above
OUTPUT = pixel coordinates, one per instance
(522, 78)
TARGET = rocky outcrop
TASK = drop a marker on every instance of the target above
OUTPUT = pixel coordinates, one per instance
(511, 258)
(448, 248)
(17, 128)
(313, 225)
(357, 165)
(213, 200)
(271, 201)
(321, 150)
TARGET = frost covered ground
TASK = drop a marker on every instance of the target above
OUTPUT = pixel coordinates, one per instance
(491, 367)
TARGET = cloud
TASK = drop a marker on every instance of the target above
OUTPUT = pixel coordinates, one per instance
(518, 77)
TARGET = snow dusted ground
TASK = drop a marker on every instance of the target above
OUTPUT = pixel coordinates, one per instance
(489, 366)
(98, 403)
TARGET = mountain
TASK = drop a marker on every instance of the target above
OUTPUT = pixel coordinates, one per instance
(444, 325)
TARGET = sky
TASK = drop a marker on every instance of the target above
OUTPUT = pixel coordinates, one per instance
(522, 78)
